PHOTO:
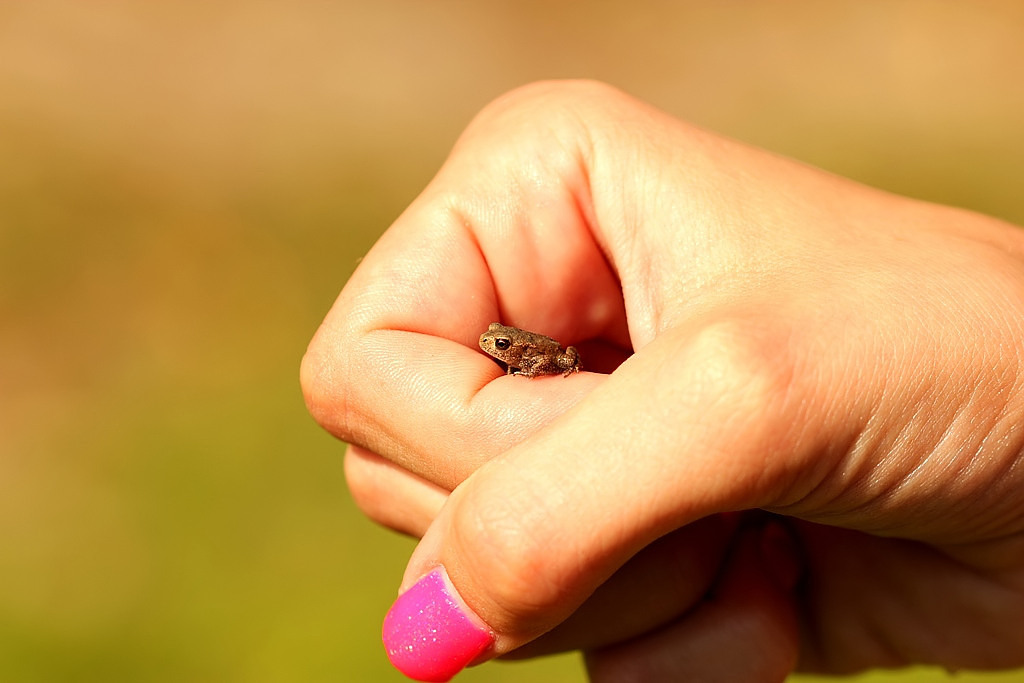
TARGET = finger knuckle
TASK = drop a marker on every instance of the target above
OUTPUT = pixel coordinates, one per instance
(517, 570)
(320, 387)
(553, 96)
(326, 380)
(744, 370)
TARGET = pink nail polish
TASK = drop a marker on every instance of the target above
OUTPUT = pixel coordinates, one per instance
(429, 634)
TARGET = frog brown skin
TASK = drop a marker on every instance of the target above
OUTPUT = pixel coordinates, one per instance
(528, 353)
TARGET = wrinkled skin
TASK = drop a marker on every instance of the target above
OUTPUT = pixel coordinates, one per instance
(764, 335)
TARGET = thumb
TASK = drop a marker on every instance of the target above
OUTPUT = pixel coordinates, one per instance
(689, 426)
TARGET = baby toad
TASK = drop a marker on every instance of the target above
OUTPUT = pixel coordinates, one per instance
(528, 353)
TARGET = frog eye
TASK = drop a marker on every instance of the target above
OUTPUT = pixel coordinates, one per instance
(502, 343)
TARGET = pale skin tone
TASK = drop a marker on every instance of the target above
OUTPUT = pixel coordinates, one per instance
(781, 339)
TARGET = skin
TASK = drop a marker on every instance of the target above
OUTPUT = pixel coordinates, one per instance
(765, 336)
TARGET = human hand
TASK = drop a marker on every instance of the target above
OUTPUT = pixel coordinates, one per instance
(781, 339)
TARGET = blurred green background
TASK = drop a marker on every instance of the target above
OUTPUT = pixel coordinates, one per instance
(184, 188)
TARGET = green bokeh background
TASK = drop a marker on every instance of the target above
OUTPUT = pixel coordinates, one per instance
(184, 188)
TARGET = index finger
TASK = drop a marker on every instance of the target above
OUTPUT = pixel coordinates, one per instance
(501, 234)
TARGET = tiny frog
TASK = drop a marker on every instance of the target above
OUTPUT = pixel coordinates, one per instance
(528, 353)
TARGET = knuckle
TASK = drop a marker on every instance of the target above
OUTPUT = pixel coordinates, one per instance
(319, 386)
(744, 368)
(325, 380)
(744, 397)
(756, 403)
(311, 377)
(515, 568)
(537, 120)
(555, 95)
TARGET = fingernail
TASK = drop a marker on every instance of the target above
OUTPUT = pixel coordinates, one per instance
(430, 634)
